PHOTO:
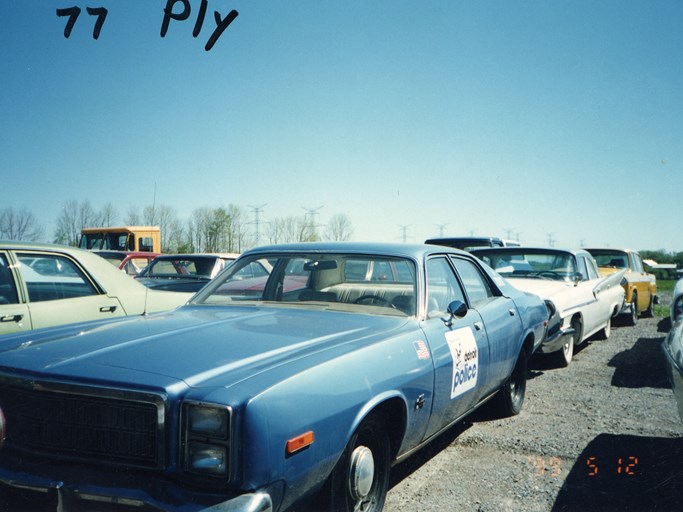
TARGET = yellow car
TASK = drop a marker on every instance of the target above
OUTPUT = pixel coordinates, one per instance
(640, 286)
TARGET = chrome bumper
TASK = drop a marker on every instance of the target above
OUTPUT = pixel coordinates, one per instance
(556, 341)
(74, 497)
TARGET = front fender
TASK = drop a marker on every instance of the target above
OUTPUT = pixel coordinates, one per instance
(330, 399)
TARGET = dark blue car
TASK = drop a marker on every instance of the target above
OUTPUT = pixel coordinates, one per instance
(267, 392)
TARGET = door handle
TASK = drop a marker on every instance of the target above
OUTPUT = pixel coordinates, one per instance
(511, 311)
(11, 318)
(478, 326)
(107, 309)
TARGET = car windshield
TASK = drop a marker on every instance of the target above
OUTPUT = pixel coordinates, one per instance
(613, 259)
(557, 265)
(345, 282)
(185, 267)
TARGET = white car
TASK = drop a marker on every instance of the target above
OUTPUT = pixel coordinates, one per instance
(43, 285)
(581, 301)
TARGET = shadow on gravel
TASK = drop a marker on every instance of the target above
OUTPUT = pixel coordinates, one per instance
(664, 325)
(424, 455)
(625, 473)
(641, 366)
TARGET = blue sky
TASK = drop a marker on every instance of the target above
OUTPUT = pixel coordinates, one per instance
(544, 120)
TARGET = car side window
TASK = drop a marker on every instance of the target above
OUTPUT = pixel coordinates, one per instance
(592, 270)
(8, 290)
(637, 263)
(52, 277)
(442, 287)
(476, 285)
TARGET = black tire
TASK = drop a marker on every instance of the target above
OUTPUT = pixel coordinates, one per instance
(511, 395)
(346, 491)
(633, 316)
(649, 312)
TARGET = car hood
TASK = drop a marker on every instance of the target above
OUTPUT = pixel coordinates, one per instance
(198, 345)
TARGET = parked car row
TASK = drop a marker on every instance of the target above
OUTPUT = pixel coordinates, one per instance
(298, 375)
(624, 265)
(226, 401)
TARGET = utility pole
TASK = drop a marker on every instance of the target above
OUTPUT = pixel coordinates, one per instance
(311, 213)
(441, 229)
(257, 222)
(404, 232)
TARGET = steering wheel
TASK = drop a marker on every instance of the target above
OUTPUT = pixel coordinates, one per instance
(374, 299)
(548, 273)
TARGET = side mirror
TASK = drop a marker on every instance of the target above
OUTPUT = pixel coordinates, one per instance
(456, 309)
(577, 277)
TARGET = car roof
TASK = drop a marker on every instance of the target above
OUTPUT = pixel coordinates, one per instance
(199, 255)
(415, 251)
(610, 249)
(532, 250)
(464, 239)
(126, 254)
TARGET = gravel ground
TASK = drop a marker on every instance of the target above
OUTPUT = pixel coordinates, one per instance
(601, 434)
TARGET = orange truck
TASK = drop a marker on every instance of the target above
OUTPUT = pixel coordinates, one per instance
(122, 238)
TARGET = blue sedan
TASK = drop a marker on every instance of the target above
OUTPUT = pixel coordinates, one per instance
(265, 393)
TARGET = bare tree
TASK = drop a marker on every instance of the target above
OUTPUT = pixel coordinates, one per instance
(165, 217)
(216, 229)
(339, 228)
(292, 229)
(19, 225)
(75, 216)
(68, 230)
(109, 215)
(132, 217)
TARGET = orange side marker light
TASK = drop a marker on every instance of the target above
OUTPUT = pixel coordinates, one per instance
(300, 442)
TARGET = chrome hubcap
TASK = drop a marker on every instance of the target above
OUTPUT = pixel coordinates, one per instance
(361, 473)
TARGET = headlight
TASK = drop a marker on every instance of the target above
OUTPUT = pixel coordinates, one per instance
(206, 437)
(207, 458)
(209, 420)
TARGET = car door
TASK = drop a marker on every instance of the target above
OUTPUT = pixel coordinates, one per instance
(14, 313)
(59, 291)
(587, 296)
(501, 321)
(459, 348)
(642, 281)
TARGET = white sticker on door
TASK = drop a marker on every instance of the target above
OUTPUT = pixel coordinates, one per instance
(465, 355)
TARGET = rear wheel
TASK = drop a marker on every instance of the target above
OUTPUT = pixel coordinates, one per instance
(511, 395)
(649, 312)
(360, 479)
(604, 333)
(633, 317)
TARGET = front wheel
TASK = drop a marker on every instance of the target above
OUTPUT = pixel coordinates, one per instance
(360, 480)
(511, 395)
(564, 356)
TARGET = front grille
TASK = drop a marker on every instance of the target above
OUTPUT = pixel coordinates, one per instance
(84, 424)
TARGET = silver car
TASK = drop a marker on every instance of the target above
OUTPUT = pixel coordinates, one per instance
(673, 346)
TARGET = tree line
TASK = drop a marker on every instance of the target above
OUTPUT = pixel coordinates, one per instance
(220, 229)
